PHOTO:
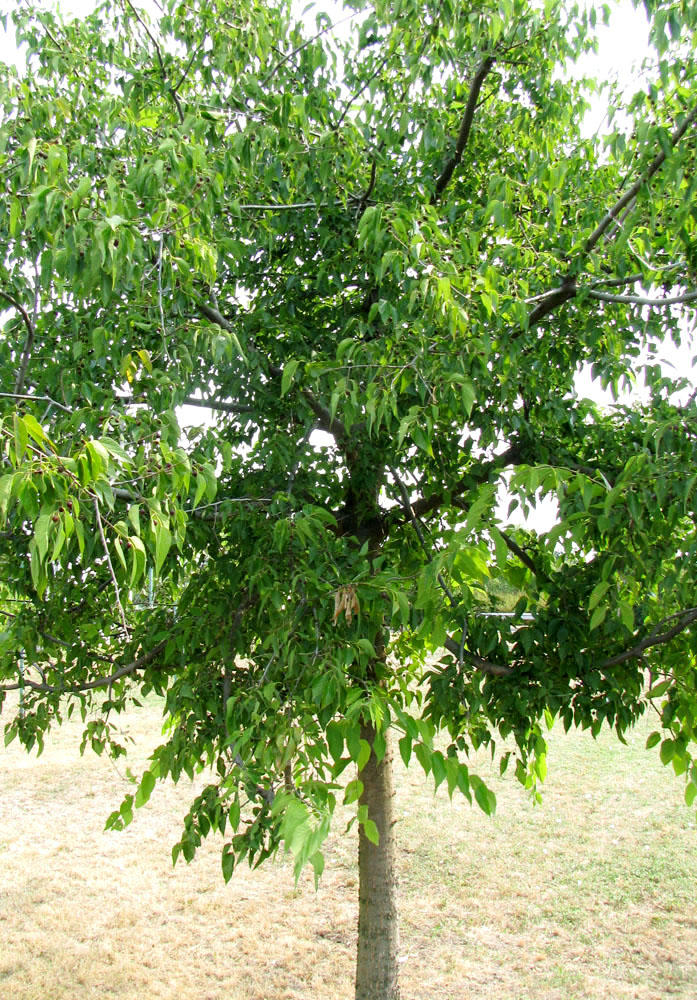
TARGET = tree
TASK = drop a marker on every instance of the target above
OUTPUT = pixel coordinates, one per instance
(391, 230)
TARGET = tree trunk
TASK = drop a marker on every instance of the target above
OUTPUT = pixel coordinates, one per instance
(378, 938)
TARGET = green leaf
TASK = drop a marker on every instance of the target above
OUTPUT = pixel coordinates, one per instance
(228, 862)
(598, 617)
(597, 594)
(41, 533)
(145, 789)
(371, 831)
(364, 755)
(21, 437)
(289, 370)
(163, 543)
(667, 751)
(353, 792)
(335, 740)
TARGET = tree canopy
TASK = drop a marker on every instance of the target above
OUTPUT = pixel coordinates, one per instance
(393, 230)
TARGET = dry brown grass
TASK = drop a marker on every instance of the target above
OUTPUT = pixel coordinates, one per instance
(590, 896)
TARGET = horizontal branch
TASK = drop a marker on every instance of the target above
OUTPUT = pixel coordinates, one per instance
(219, 405)
(656, 637)
(99, 682)
(640, 300)
(486, 666)
(37, 399)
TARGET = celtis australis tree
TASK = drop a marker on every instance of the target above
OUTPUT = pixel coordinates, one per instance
(391, 230)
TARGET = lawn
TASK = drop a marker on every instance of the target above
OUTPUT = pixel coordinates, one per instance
(591, 895)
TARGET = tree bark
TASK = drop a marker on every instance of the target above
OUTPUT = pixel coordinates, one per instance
(378, 935)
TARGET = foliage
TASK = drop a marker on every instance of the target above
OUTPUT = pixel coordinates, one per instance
(395, 232)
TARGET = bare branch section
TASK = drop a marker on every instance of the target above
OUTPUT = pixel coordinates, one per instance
(486, 666)
(682, 619)
(98, 682)
(36, 399)
(633, 191)
(639, 300)
(28, 343)
(427, 505)
(466, 126)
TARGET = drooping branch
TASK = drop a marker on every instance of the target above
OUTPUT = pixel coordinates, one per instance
(117, 592)
(655, 638)
(465, 127)
(28, 343)
(98, 682)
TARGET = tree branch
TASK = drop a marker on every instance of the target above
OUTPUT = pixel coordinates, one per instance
(486, 666)
(406, 503)
(324, 418)
(465, 127)
(329, 27)
(28, 343)
(215, 404)
(655, 638)
(171, 91)
(513, 547)
(639, 300)
(653, 167)
(117, 592)
(426, 505)
(125, 670)
(38, 399)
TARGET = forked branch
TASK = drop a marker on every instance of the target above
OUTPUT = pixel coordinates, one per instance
(683, 619)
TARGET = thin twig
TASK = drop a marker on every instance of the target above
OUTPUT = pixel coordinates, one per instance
(38, 399)
(111, 569)
(330, 27)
